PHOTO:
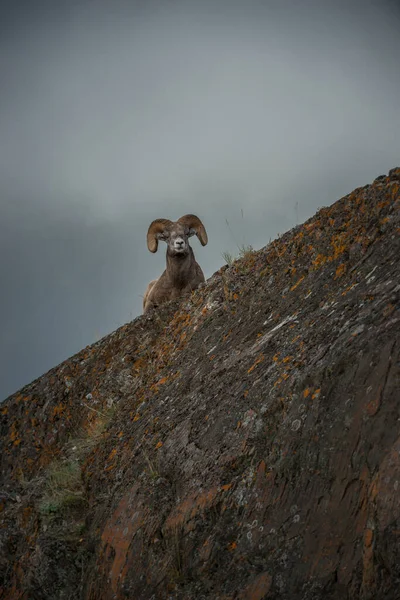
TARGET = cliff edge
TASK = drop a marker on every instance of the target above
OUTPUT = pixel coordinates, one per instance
(242, 444)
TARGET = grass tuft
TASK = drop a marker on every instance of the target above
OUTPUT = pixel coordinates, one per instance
(244, 250)
(63, 488)
(228, 258)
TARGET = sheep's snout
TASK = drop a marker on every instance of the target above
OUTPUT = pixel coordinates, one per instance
(179, 244)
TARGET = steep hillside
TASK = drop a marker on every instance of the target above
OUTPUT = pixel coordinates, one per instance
(244, 444)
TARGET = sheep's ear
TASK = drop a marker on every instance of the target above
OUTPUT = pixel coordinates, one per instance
(195, 227)
(158, 230)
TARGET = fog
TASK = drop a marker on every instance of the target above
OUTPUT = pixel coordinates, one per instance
(113, 114)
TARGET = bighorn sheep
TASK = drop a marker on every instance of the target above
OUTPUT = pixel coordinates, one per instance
(182, 274)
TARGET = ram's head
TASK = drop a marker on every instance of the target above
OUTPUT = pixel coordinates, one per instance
(176, 234)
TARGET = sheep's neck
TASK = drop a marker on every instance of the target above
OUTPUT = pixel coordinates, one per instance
(179, 269)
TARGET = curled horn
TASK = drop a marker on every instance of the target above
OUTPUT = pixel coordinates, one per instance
(156, 229)
(194, 223)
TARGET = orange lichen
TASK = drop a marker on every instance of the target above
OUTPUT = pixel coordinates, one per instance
(297, 283)
(13, 432)
(337, 243)
(382, 204)
(112, 454)
(340, 270)
(138, 364)
(348, 289)
(59, 409)
(259, 360)
(319, 261)
(232, 546)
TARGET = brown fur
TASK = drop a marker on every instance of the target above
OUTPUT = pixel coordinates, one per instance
(183, 274)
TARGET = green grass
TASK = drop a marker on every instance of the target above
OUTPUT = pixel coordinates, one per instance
(63, 488)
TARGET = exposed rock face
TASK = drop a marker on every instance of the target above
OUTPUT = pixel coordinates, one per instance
(244, 444)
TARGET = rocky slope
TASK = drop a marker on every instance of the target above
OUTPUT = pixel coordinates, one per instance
(243, 444)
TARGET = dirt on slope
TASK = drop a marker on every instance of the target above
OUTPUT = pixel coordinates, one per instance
(243, 444)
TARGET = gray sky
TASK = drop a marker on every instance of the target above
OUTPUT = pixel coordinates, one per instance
(115, 113)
